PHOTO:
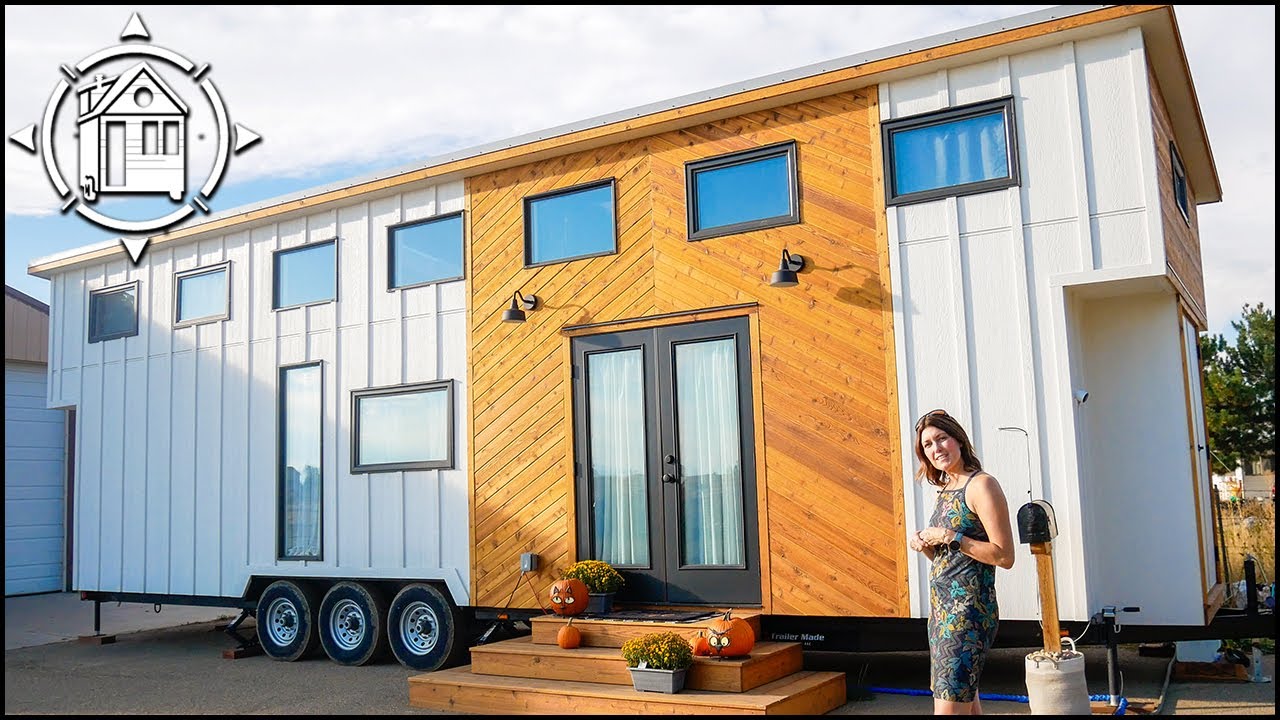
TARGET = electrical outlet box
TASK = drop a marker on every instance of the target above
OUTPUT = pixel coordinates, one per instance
(528, 562)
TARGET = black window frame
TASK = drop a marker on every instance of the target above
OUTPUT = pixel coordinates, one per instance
(447, 464)
(1179, 179)
(391, 250)
(940, 117)
(94, 296)
(788, 148)
(178, 277)
(275, 274)
(581, 187)
(280, 462)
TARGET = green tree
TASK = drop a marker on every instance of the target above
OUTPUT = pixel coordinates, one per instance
(1240, 390)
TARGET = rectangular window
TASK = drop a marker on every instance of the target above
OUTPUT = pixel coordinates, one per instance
(203, 295)
(113, 312)
(301, 469)
(958, 151)
(743, 191)
(407, 427)
(1180, 184)
(171, 138)
(577, 222)
(424, 251)
(306, 275)
(150, 138)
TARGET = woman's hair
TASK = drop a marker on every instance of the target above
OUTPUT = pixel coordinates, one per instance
(947, 424)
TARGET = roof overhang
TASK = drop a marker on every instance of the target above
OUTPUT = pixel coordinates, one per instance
(1018, 34)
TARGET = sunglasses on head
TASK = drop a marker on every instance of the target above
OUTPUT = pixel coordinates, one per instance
(932, 413)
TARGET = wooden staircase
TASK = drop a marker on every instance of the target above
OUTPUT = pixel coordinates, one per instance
(532, 675)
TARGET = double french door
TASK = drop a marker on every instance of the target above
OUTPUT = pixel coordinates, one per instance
(665, 463)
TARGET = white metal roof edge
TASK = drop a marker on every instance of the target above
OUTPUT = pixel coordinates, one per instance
(842, 63)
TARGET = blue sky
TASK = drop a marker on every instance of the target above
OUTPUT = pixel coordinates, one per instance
(339, 92)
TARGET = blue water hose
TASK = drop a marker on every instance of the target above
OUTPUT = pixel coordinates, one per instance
(1124, 702)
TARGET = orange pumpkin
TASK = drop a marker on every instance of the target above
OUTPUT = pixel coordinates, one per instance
(569, 637)
(569, 597)
(730, 636)
(701, 647)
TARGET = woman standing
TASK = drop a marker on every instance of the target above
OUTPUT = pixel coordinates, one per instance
(968, 537)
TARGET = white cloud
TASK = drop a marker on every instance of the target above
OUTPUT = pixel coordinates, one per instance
(341, 86)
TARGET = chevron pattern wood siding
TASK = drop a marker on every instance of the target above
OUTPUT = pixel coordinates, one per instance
(831, 502)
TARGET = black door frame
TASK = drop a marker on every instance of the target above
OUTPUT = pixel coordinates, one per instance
(666, 581)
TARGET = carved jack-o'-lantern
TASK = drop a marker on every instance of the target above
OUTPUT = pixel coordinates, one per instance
(569, 597)
(730, 636)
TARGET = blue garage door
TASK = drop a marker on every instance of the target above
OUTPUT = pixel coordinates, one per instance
(34, 486)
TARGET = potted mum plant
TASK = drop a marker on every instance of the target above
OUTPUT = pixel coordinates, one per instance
(658, 662)
(602, 582)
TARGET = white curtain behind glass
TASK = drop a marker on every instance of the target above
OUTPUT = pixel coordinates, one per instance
(615, 393)
(710, 452)
(303, 478)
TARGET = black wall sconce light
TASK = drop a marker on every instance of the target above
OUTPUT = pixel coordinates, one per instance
(519, 303)
(787, 269)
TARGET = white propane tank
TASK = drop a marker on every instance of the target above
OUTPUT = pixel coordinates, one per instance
(1055, 683)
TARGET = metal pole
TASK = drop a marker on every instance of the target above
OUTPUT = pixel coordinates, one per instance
(97, 617)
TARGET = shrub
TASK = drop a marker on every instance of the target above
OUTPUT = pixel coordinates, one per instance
(599, 576)
(659, 651)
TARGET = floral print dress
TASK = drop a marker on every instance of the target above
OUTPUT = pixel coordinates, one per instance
(963, 615)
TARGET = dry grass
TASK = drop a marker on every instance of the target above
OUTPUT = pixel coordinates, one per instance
(1249, 528)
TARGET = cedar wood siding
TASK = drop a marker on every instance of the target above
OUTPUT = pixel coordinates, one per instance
(1181, 240)
(830, 505)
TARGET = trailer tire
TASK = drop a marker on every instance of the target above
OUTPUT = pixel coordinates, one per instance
(286, 618)
(426, 630)
(352, 623)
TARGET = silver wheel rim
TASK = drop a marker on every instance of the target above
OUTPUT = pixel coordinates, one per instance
(347, 624)
(282, 621)
(419, 628)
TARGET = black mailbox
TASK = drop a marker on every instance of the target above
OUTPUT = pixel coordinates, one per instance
(1036, 523)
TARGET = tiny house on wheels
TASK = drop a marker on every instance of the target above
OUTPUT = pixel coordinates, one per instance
(353, 410)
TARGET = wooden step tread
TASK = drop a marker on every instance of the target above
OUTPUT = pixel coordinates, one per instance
(459, 690)
(519, 657)
(605, 632)
(524, 645)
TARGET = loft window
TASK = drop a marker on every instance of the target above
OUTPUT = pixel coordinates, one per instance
(958, 151)
(1180, 184)
(203, 295)
(569, 224)
(424, 251)
(306, 275)
(113, 312)
(742, 191)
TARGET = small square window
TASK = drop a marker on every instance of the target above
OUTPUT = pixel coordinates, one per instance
(306, 275)
(743, 191)
(113, 312)
(407, 427)
(958, 151)
(576, 222)
(424, 251)
(1180, 184)
(203, 295)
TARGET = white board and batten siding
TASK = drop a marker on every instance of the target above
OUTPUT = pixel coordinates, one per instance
(178, 478)
(991, 325)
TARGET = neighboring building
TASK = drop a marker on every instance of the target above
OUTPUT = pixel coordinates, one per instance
(569, 344)
(35, 469)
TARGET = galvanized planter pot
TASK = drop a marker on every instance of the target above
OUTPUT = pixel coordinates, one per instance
(663, 681)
